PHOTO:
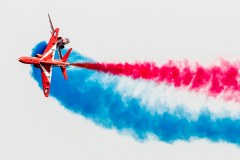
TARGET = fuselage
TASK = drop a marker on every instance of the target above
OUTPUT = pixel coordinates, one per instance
(38, 61)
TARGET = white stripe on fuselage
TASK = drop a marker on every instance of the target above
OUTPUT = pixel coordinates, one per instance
(52, 50)
(48, 75)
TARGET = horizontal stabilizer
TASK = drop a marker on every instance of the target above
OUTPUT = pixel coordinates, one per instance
(64, 71)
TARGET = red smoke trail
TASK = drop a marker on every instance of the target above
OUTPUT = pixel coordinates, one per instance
(214, 80)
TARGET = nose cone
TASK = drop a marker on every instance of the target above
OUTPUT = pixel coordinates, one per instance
(24, 59)
(20, 59)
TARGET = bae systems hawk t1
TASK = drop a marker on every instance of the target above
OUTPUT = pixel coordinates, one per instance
(46, 61)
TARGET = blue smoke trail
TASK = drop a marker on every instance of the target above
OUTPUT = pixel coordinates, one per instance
(106, 108)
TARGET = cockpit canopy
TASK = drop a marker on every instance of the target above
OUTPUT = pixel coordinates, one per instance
(66, 40)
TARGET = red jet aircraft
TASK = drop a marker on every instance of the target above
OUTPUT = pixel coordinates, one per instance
(46, 61)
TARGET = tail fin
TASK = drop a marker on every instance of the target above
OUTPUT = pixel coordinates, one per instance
(65, 57)
(63, 68)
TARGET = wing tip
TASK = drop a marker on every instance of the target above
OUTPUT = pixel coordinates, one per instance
(46, 94)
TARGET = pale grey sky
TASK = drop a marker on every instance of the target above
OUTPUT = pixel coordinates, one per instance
(35, 127)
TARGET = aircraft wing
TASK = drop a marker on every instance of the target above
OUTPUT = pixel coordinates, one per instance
(46, 71)
(51, 47)
(48, 55)
(50, 23)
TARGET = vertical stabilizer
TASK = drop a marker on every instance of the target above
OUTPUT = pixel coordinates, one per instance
(65, 57)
